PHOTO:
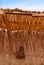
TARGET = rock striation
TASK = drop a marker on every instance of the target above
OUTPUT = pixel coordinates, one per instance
(24, 29)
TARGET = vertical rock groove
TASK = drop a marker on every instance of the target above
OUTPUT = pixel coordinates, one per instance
(31, 41)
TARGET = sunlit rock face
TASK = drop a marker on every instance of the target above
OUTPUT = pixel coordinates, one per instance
(31, 41)
(22, 20)
(21, 37)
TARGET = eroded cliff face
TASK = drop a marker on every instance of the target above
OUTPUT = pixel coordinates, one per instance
(31, 41)
(22, 21)
(21, 30)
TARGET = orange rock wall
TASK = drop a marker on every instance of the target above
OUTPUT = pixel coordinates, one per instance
(22, 22)
(33, 43)
(22, 30)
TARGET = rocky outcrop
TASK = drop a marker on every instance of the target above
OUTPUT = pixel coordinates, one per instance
(21, 29)
(31, 41)
(22, 20)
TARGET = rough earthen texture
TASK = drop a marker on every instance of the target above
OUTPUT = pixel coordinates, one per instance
(22, 20)
(33, 43)
(24, 30)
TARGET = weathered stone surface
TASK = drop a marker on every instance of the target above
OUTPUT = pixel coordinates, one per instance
(16, 20)
(25, 29)
(31, 41)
